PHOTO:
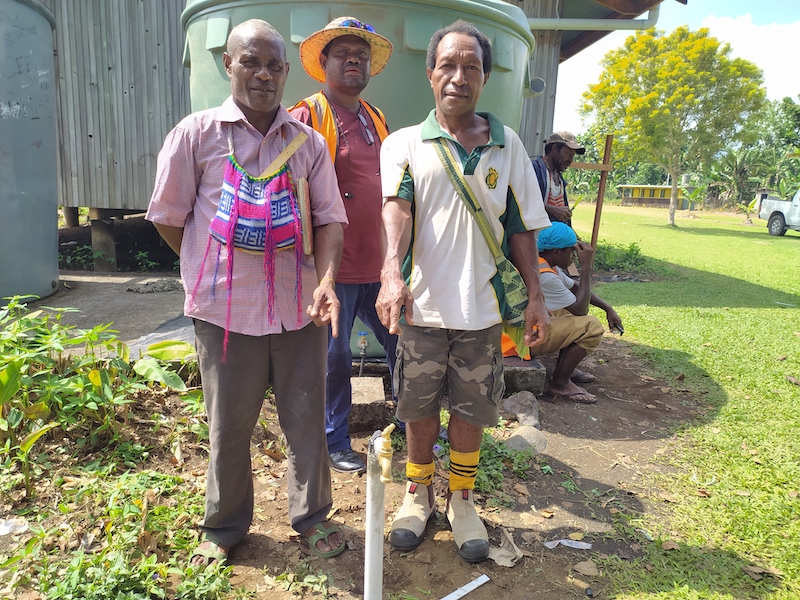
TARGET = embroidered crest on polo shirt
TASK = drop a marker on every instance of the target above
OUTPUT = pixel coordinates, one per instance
(491, 178)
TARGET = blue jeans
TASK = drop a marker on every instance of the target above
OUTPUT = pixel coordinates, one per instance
(357, 299)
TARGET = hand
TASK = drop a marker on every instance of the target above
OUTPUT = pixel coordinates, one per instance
(326, 306)
(394, 297)
(558, 213)
(537, 322)
(613, 319)
(585, 253)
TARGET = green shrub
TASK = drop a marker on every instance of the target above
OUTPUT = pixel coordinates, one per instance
(610, 257)
(45, 384)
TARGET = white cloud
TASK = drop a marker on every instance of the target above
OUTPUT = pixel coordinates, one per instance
(772, 47)
(576, 75)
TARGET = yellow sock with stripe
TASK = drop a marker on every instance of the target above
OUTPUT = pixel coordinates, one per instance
(421, 474)
(463, 469)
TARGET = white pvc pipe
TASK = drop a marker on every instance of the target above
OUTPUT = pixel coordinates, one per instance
(373, 552)
(558, 24)
(466, 589)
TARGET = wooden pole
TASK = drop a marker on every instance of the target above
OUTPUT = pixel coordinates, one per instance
(598, 211)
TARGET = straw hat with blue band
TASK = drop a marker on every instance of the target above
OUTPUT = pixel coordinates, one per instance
(313, 45)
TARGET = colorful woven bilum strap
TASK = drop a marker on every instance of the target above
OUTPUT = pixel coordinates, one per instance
(255, 215)
(248, 209)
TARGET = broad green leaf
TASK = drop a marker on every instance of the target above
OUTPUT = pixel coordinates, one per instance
(34, 315)
(95, 378)
(9, 381)
(171, 350)
(37, 411)
(11, 561)
(15, 417)
(31, 438)
(195, 395)
(152, 371)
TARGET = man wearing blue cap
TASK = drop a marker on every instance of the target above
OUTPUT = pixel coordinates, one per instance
(573, 333)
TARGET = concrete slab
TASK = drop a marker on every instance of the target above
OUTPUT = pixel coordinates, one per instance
(371, 409)
(103, 298)
(524, 375)
(179, 328)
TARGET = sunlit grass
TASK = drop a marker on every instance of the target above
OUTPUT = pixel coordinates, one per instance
(727, 319)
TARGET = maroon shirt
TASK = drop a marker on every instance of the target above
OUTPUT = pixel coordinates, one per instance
(358, 171)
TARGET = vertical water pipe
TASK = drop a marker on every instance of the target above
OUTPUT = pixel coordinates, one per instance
(379, 472)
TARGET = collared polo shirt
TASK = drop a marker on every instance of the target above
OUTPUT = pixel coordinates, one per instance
(449, 267)
(188, 184)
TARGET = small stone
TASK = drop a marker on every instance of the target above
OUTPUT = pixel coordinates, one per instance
(424, 558)
(525, 406)
(527, 438)
(586, 567)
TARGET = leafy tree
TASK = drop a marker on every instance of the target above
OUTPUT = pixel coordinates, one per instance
(788, 123)
(584, 183)
(645, 174)
(778, 169)
(737, 174)
(674, 100)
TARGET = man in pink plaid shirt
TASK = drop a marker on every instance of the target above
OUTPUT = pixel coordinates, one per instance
(260, 316)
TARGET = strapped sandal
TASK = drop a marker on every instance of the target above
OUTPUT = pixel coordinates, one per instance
(469, 532)
(579, 376)
(410, 522)
(211, 554)
(323, 533)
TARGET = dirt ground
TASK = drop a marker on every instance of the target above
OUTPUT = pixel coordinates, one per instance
(599, 460)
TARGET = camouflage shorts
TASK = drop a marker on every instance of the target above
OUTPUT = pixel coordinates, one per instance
(466, 367)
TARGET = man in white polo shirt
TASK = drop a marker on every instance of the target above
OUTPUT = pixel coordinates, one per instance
(438, 274)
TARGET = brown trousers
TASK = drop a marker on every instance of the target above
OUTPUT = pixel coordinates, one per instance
(293, 363)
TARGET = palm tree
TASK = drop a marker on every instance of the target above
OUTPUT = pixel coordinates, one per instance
(736, 173)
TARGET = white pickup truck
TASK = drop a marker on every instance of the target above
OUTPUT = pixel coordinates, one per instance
(780, 215)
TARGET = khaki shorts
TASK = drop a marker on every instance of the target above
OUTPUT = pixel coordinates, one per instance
(567, 329)
(466, 367)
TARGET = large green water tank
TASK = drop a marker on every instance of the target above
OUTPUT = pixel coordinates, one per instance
(28, 144)
(402, 90)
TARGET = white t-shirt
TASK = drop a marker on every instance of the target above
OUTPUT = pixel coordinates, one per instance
(449, 267)
(556, 289)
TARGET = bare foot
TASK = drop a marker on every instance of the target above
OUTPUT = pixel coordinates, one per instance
(571, 391)
(208, 552)
(324, 546)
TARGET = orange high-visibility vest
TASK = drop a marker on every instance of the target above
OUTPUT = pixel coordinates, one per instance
(544, 266)
(322, 120)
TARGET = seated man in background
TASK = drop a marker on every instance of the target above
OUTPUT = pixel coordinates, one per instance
(573, 332)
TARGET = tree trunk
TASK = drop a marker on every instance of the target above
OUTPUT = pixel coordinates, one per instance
(673, 195)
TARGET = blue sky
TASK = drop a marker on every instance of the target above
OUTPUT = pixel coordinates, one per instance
(766, 32)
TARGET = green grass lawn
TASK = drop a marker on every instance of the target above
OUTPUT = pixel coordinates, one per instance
(724, 313)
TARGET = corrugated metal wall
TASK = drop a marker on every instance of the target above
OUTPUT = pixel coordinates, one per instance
(537, 113)
(122, 87)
